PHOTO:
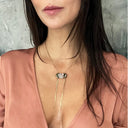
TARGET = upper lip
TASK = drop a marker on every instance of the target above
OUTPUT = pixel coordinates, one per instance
(52, 7)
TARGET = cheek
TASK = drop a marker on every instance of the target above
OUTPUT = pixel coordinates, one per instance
(37, 4)
(73, 8)
(34, 2)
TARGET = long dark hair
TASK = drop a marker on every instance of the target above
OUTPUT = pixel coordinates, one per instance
(89, 30)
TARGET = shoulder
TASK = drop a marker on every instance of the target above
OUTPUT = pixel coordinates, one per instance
(16, 55)
(116, 61)
(118, 66)
(16, 58)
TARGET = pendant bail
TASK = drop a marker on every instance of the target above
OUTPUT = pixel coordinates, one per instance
(61, 75)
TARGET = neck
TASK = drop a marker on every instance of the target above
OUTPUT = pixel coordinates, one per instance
(59, 53)
(55, 41)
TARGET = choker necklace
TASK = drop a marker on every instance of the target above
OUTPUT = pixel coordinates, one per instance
(62, 76)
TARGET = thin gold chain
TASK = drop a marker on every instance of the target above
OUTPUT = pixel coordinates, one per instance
(53, 61)
(57, 83)
(58, 78)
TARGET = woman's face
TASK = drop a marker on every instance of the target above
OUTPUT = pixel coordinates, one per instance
(63, 14)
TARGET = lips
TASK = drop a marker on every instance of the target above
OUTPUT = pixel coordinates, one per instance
(52, 8)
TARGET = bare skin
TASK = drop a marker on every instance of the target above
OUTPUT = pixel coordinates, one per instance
(59, 27)
(74, 89)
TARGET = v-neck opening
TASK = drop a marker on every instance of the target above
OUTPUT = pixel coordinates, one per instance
(72, 122)
(36, 87)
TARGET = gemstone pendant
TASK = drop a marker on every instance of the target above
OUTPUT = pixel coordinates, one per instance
(61, 75)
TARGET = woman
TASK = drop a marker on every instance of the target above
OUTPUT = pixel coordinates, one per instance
(69, 79)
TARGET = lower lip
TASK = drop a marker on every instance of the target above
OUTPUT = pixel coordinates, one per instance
(53, 11)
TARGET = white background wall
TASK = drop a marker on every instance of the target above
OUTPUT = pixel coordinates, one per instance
(14, 33)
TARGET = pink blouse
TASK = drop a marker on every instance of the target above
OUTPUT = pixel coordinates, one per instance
(20, 103)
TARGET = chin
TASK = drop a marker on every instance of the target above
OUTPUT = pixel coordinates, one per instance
(54, 25)
(58, 24)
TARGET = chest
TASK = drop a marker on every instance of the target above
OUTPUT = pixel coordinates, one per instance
(73, 98)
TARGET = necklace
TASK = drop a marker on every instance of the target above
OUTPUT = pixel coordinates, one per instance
(62, 76)
(59, 75)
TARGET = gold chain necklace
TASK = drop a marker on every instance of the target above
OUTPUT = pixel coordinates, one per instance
(63, 76)
(59, 75)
